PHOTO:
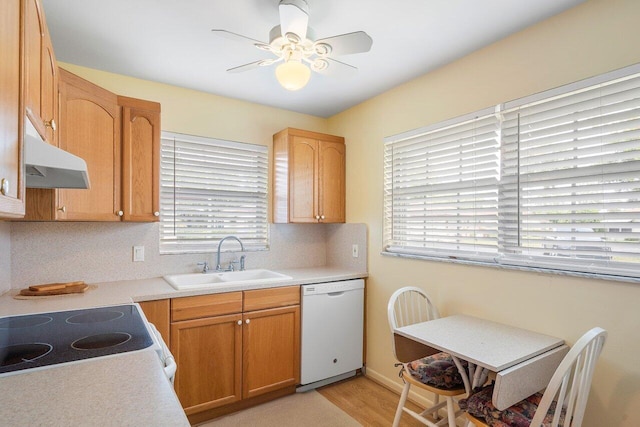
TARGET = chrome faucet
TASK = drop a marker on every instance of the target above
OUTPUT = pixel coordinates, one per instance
(230, 268)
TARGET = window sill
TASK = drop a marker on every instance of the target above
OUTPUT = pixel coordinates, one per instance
(542, 270)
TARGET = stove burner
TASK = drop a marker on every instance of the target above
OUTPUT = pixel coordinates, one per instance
(20, 353)
(94, 342)
(95, 317)
(24, 321)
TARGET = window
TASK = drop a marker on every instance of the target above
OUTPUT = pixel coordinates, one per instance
(211, 189)
(565, 194)
(441, 189)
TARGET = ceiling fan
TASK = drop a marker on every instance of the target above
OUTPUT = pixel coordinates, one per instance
(293, 43)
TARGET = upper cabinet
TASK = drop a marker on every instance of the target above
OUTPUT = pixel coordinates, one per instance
(40, 71)
(308, 177)
(119, 139)
(12, 189)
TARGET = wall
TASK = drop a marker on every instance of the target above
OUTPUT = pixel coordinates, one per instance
(595, 37)
(5, 256)
(198, 113)
(99, 252)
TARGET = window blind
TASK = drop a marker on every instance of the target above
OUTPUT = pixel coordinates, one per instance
(210, 189)
(441, 189)
(548, 181)
(570, 193)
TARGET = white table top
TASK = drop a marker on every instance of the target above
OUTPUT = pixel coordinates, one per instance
(488, 344)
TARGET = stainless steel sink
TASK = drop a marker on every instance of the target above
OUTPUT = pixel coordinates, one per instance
(227, 278)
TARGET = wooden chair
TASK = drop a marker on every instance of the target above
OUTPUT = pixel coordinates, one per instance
(568, 389)
(407, 306)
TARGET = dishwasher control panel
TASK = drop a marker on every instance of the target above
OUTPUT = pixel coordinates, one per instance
(332, 287)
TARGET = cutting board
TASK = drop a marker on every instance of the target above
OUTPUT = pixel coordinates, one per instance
(55, 289)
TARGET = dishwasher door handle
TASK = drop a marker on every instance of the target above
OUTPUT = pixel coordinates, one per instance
(336, 294)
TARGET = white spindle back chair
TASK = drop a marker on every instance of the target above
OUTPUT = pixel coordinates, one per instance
(570, 384)
(407, 306)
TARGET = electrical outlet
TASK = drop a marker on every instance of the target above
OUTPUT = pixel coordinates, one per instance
(138, 253)
(354, 251)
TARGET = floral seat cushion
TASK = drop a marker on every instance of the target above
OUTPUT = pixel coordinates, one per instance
(437, 370)
(519, 415)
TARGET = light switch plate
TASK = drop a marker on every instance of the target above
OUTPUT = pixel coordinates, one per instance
(354, 251)
(138, 253)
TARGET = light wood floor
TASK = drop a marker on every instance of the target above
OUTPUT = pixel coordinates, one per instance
(367, 402)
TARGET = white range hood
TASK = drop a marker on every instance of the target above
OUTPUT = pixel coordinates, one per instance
(50, 167)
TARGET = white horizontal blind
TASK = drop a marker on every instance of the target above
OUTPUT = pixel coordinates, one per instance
(570, 194)
(211, 189)
(441, 189)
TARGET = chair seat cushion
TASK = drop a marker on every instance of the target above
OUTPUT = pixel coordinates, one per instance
(519, 415)
(437, 370)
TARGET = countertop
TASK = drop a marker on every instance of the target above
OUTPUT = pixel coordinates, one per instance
(120, 390)
(126, 291)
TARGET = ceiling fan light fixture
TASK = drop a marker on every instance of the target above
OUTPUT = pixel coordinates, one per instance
(293, 75)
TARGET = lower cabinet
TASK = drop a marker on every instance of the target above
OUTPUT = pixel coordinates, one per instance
(233, 347)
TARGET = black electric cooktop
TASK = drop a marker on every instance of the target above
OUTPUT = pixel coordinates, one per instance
(44, 339)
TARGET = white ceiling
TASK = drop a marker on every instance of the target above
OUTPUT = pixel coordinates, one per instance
(170, 41)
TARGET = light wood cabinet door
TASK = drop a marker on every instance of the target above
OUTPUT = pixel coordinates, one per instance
(90, 129)
(12, 189)
(34, 32)
(49, 92)
(209, 357)
(308, 177)
(140, 159)
(271, 350)
(303, 184)
(331, 181)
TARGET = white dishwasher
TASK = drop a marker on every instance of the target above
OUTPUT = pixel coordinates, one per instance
(332, 332)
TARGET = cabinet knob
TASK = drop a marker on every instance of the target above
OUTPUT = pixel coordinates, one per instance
(321, 216)
(247, 321)
(119, 213)
(4, 186)
(156, 213)
(62, 209)
(239, 322)
(52, 124)
(317, 216)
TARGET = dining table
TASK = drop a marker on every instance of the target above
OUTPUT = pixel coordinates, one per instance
(522, 361)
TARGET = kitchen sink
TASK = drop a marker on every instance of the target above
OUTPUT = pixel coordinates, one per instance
(226, 278)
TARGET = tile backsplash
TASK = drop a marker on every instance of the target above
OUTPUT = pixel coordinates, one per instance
(48, 252)
(5, 256)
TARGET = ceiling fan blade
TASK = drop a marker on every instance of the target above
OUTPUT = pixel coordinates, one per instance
(240, 38)
(346, 44)
(294, 17)
(245, 67)
(332, 67)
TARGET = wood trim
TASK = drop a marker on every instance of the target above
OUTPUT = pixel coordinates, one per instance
(157, 312)
(186, 308)
(312, 135)
(261, 299)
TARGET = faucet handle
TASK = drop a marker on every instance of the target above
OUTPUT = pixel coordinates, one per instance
(205, 266)
(242, 258)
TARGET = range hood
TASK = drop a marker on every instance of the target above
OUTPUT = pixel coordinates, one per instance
(50, 167)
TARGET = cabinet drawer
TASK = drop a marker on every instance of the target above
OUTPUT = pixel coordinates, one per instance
(205, 306)
(270, 298)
